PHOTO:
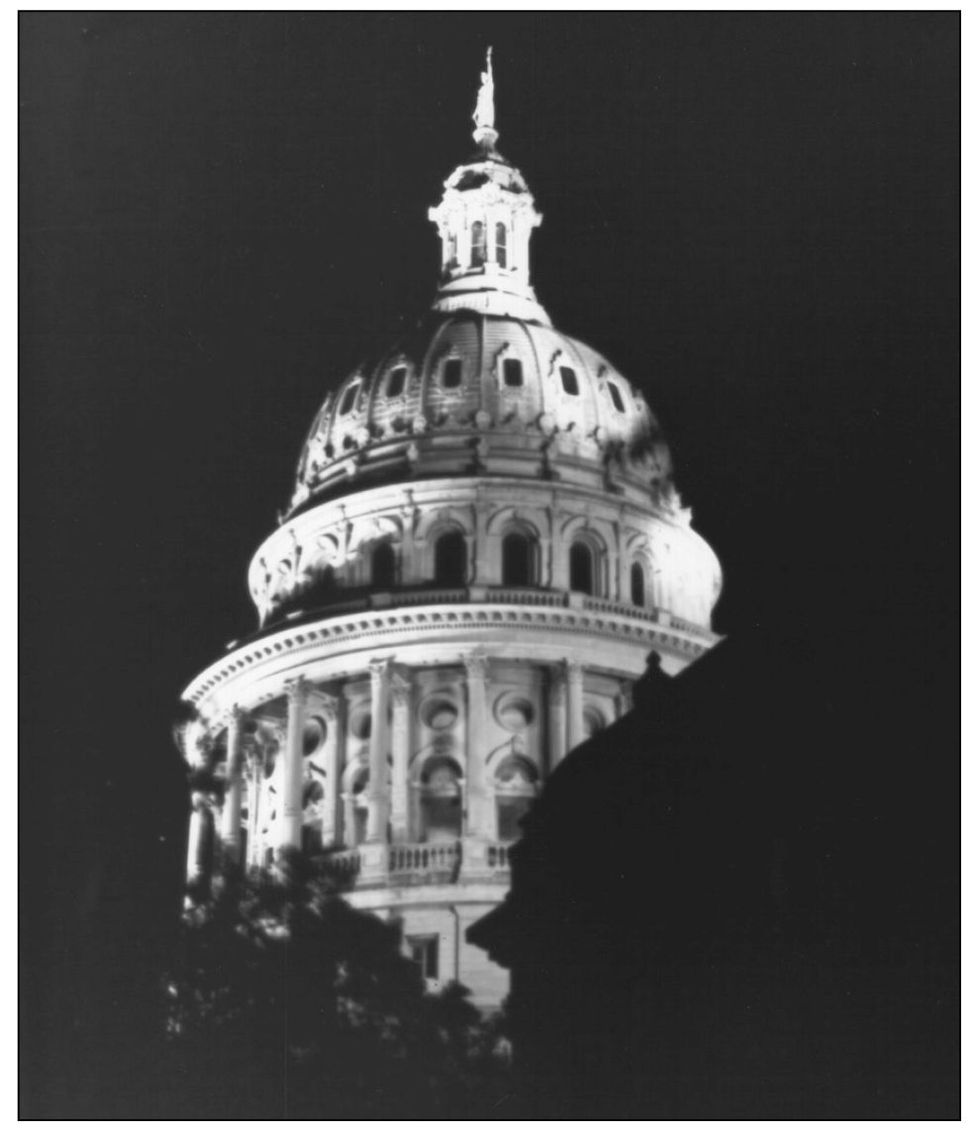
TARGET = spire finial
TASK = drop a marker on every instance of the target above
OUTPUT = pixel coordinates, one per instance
(485, 133)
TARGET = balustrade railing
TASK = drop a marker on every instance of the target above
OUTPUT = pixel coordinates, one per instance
(488, 595)
(497, 855)
(420, 860)
(346, 863)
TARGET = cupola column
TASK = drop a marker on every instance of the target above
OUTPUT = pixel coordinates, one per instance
(195, 838)
(574, 700)
(254, 768)
(332, 710)
(230, 826)
(481, 814)
(401, 689)
(290, 804)
(557, 716)
(378, 789)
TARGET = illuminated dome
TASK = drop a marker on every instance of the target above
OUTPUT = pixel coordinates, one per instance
(470, 391)
(483, 546)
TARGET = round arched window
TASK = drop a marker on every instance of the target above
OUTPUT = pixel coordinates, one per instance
(581, 568)
(518, 560)
(383, 567)
(637, 584)
(451, 559)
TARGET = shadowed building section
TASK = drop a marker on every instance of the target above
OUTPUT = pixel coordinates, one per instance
(732, 904)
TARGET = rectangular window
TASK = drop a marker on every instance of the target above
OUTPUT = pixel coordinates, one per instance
(570, 384)
(348, 400)
(398, 379)
(423, 951)
(451, 376)
(512, 371)
(615, 397)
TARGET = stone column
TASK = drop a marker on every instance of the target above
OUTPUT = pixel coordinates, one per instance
(557, 716)
(401, 688)
(378, 792)
(480, 818)
(625, 698)
(194, 845)
(332, 710)
(230, 826)
(290, 803)
(253, 803)
(574, 703)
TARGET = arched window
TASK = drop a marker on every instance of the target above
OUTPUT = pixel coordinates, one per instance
(518, 566)
(637, 584)
(581, 568)
(440, 800)
(515, 788)
(477, 244)
(451, 559)
(383, 567)
(501, 252)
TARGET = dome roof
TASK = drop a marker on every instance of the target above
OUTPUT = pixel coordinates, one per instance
(484, 384)
(469, 392)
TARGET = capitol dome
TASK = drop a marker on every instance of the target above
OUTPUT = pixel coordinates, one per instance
(483, 545)
(470, 390)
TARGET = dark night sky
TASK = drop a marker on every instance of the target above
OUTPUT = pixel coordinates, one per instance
(755, 216)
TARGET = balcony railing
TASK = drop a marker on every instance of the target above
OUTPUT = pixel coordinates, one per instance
(422, 862)
(508, 595)
(419, 863)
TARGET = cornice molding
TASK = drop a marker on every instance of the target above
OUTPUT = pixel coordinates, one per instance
(345, 630)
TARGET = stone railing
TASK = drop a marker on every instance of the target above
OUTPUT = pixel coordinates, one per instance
(508, 595)
(421, 862)
(346, 864)
(496, 855)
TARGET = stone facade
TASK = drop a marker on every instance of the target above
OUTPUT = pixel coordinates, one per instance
(483, 546)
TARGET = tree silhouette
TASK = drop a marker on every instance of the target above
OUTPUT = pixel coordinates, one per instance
(287, 1002)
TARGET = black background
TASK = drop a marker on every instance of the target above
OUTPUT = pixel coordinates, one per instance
(754, 216)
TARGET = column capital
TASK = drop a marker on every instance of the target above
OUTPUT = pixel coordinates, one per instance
(475, 666)
(233, 715)
(296, 689)
(574, 671)
(379, 667)
(330, 705)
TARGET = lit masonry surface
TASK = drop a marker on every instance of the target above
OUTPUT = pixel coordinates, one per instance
(483, 545)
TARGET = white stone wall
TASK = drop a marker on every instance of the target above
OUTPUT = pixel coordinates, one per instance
(681, 573)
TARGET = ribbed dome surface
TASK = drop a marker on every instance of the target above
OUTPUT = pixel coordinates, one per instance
(480, 385)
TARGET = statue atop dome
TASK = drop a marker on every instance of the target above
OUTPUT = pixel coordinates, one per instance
(485, 133)
(484, 112)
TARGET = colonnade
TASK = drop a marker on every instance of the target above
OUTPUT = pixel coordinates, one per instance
(392, 702)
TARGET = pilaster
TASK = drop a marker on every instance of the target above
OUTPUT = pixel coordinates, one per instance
(557, 716)
(401, 692)
(378, 789)
(230, 827)
(332, 710)
(290, 804)
(574, 704)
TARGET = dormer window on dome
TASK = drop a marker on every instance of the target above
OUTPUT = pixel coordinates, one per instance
(349, 399)
(451, 373)
(568, 376)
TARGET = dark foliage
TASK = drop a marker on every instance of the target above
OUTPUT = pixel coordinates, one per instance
(290, 1003)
